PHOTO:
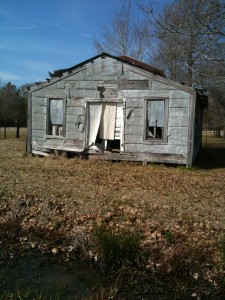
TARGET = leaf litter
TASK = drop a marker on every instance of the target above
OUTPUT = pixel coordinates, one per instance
(58, 201)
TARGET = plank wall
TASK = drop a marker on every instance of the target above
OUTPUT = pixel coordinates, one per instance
(106, 80)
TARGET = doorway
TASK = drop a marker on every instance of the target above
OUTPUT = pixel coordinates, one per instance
(105, 126)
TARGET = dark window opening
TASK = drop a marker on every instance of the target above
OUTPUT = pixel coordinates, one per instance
(155, 132)
(107, 145)
(155, 119)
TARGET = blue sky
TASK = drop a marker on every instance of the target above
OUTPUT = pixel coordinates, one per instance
(37, 36)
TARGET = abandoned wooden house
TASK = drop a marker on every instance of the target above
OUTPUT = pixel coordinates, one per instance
(115, 108)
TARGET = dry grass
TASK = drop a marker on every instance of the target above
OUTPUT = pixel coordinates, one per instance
(178, 212)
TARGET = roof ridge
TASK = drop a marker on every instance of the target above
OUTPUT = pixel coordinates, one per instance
(123, 58)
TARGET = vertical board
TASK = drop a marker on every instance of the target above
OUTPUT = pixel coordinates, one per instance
(119, 120)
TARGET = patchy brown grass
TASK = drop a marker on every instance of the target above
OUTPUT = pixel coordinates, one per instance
(58, 202)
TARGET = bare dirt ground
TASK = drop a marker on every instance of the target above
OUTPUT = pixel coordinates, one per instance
(178, 212)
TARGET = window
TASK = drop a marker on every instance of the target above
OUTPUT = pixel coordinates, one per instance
(156, 120)
(55, 120)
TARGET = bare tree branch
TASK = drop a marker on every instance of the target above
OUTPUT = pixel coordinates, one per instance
(124, 34)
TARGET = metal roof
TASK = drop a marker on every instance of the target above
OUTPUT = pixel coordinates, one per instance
(141, 65)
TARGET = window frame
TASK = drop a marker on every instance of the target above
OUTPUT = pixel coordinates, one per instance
(48, 118)
(163, 140)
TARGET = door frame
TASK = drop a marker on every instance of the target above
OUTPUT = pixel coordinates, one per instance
(105, 100)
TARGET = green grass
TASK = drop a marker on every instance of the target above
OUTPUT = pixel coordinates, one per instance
(117, 247)
(211, 141)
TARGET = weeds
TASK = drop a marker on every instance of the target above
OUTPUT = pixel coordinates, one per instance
(169, 236)
(23, 294)
(223, 248)
(116, 247)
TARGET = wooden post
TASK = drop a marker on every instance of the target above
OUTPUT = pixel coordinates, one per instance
(17, 132)
(17, 129)
(4, 130)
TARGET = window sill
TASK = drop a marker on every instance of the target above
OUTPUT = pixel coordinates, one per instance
(155, 142)
(55, 137)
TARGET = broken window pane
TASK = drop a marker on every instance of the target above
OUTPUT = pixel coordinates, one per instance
(56, 112)
(155, 119)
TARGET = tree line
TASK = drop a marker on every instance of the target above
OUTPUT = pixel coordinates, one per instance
(13, 107)
(186, 38)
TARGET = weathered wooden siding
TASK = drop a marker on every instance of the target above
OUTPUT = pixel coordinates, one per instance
(38, 120)
(108, 79)
(178, 117)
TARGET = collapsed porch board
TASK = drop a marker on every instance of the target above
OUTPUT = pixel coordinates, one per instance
(140, 157)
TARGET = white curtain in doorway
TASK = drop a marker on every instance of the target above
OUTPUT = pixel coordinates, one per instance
(95, 111)
(107, 126)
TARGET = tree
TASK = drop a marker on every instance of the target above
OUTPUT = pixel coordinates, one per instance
(214, 118)
(191, 40)
(126, 34)
(191, 48)
(12, 108)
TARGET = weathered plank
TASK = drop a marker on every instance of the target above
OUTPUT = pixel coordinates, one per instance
(144, 157)
(76, 135)
(63, 145)
(39, 109)
(73, 119)
(108, 84)
(131, 103)
(109, 93)
(179, 102)
(60, 84)
(160, 79)
(133, 139)
(177, 140)
(157, 85)
(69, 84)
(87, 85)
(178, 112)
(132, 75)
(75, 102)
(134, 121)
(82, 94)
(125, 84)
(134, 129)
(38, 101)
(178, 131)
(39, 118)
(140, 94)
(179, 122)
(39, 152)
(39, 125)
(79, 75)
(104, 67)
(73, 127)
(134, 112)
(38, 133)
(153, 148)
(74, 111)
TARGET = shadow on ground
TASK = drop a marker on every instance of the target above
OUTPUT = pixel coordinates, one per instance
(211, 158)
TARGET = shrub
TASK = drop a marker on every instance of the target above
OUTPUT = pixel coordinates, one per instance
(116, 247)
